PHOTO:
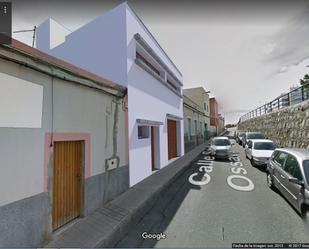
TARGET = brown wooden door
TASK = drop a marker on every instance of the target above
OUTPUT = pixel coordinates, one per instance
(172, 138)
(152, 149)
(67, 182)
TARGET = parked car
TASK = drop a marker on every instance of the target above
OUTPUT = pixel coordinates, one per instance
(220, 147)
(259, 151)
(288, 171)
(239, 135)
(251, 136)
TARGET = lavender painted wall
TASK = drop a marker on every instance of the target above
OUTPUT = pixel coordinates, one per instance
(98, 47)
(107, 47)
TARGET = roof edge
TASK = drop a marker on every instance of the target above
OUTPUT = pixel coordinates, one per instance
(63, 65)
(151, 35)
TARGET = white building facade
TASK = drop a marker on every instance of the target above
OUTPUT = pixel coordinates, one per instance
(118, 46)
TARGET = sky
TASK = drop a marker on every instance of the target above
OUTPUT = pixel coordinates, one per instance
(245, 52)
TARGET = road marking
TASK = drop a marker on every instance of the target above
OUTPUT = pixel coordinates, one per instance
(247, 188)
(206, 167)
(236, 168)
(238, 173)
(206, 180)
(203, 163)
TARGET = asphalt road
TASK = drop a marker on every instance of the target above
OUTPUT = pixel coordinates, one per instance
(217, 215)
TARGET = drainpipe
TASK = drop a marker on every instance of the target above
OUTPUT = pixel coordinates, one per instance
(112, 162)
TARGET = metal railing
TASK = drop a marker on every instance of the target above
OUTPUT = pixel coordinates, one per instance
(294, 97)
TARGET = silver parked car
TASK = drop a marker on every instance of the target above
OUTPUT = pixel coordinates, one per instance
(288, 171)
(220, 147)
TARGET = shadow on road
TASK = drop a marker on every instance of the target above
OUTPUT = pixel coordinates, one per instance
(261, 168)
(159, 217)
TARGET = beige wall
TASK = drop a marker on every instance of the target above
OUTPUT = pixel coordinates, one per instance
(195, 117)
(201, 98)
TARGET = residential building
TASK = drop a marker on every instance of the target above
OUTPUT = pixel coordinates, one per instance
(196, 117)
(213, 116)
(117, 45)
(63, 147)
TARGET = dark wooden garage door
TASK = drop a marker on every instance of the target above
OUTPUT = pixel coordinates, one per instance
(172, 138)
(67, 182)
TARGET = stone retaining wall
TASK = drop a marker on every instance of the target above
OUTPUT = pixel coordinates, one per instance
(288, 127)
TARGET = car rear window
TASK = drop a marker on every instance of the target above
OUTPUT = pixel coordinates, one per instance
(221, 142)
(255, 136)
(306, 169)
(264, 146)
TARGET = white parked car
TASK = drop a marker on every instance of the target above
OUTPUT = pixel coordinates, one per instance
(259, 151)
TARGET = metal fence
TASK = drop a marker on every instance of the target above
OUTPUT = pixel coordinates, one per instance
(294, 97)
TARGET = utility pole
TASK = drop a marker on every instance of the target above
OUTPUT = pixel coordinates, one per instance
(28, 30)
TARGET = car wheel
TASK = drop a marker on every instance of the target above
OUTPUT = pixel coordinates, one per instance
(270, 182)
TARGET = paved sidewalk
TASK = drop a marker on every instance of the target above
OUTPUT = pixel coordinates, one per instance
(106, 226)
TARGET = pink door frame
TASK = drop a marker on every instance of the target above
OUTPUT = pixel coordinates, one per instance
(50, 138)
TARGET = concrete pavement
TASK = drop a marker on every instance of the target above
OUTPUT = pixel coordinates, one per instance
(217, 215)
(106, 226)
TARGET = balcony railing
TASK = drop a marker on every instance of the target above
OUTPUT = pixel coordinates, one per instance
(294, 97)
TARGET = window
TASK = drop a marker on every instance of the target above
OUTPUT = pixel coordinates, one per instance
(201, 127)
(264, 146)
(291, 167)
(195, 127)
(189, 127)
(274, 154)
(172, 85)
(280, 158)
(143, 132)
(255, 136)
(204, 106)
(148, 64)
(207, 108)
(241, 135)
(147, 59)
(306, 169)
(221, 142)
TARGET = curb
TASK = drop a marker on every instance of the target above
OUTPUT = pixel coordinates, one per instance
(106, 226)
(142, 210)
